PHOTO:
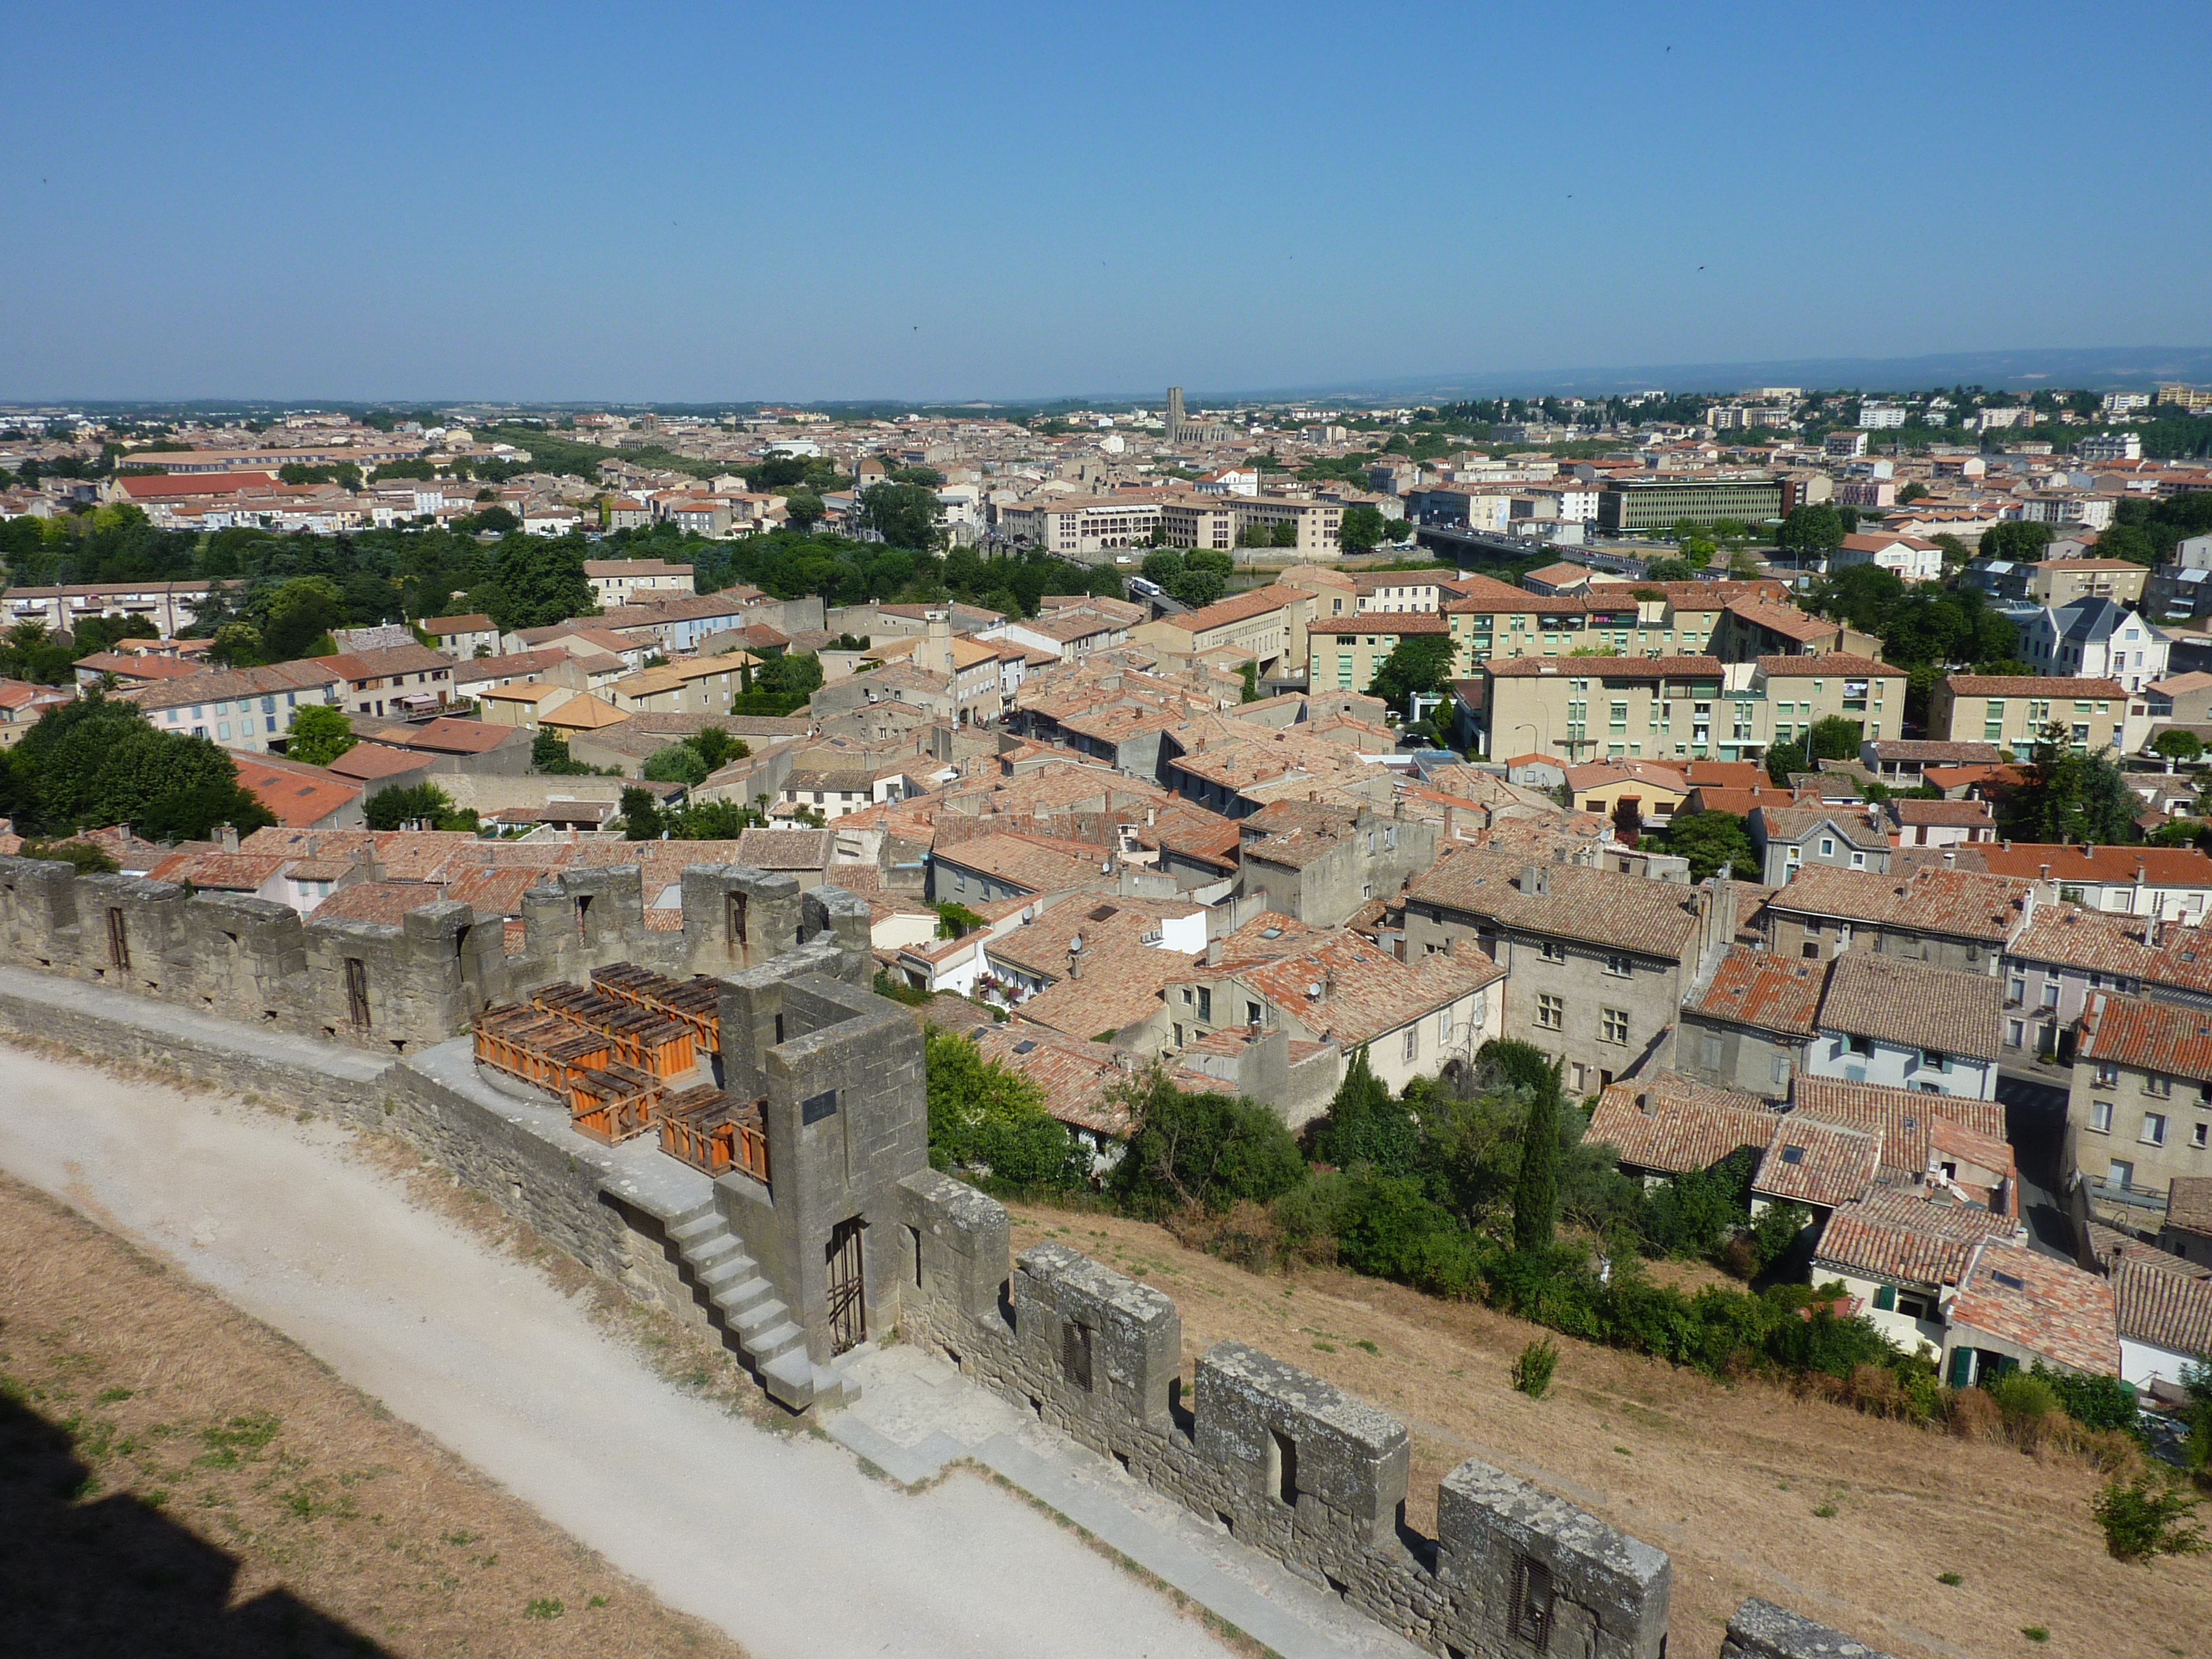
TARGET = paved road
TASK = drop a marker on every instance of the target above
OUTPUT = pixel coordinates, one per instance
(2035, 1123)
(783, 1543)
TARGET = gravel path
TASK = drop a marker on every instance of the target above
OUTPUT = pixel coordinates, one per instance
(782, 1542)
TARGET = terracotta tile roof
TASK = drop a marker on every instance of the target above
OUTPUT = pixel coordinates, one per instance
(2166, 1309)
(1601, 907)
(1611, 668)
(2157, 866)
(1906, 1119)
(1082, 1081)
(1669, 1123)
(1786, 620)
(1898, 1000)
(1931, 752)
(1766, 992)
(2070, 936)
(1837, 665)
(224, 685)
(389, 661)
(2035, 685)
(787, 849)
(2189, 1203)
(368, 762)
(451, 735)
(1396, 623)
(1796, 822)
(2151, 1036)
(1726, 775)
(1956, 903)
(1807, 1162)
(473, 622)
(385, 903)
(300, 795)
(1959, 814)
(1366, 992)
(2043, 1307)
(229, 873)
(1237, 607)
(1905, 1240)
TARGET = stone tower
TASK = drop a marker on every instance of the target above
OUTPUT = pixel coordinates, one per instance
(1175, 413)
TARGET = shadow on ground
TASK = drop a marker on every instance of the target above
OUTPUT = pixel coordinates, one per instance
(112, 1576)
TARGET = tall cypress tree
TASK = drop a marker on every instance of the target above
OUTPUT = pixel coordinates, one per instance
(1536, 1193)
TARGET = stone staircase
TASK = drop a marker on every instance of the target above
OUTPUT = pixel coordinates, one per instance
(753, 1319)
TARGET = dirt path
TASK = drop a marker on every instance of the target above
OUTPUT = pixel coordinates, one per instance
(779, 1541)
(1732, 1482)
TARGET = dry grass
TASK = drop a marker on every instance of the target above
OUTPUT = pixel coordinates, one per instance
(1731, 1481)
(172, 1469)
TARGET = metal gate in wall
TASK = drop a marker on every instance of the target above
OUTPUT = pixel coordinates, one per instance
(848, 1317)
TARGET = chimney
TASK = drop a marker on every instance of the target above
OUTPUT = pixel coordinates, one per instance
(1950, 860)
(1213, 953)
(230, 838)
(1529, 882)
(2045, 871)
(1075, 957)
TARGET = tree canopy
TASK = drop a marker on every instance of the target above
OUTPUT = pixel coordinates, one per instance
(97, 762)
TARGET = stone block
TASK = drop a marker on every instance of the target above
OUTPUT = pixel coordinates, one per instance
(1302, 1456)
(1110, 1348)
(1525, 1566)
(960, 1237)
(1760, 1630)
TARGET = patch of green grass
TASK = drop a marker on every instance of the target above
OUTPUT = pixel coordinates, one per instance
(597, 1601)
(1369, 1346)
(1623, 1451)
(2035, 1633)
(1326, 1347)
(1953, 1579)
(1825, 1511)
(544, 1606)
(225, 1443)
(458, 1539)
(109, 1396)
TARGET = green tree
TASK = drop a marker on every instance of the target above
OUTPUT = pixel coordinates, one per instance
(804, 509)
(1834, 739)
(1204, 1149)
(1710, 839)
(96, 761)
(1362, 529)
(794, 674)
(236, 645)
(1783, 759)
(549, 753)
(679, 762)
(1285, 534)
(2017, 539)
(718, 748)
(538, 583)
(1810, 532)
(1366, 1127)
(299, 616)
(640, 814)
(904, 514)
(2177, 743)
(394, 807)
(988, 1118)
(2072, 796)
(1418, 663)
(2151, 1515)
(1251, 675)
(1670, 570)
(1163, 567)
(319, 735)
(1536, 1190)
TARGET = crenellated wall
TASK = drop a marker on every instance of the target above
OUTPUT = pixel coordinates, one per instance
(1284, 1460)
(393, 988)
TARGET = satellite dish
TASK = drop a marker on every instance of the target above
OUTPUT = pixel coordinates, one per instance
(1314, 989)
(1075, 945)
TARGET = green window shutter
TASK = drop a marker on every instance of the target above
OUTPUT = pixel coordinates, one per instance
(1962, 1367)
(1885, 1297)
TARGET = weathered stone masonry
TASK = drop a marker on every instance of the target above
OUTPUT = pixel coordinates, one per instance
(223, 988)
(1283, 1460)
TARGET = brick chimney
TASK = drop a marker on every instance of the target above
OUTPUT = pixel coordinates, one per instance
(230, 838)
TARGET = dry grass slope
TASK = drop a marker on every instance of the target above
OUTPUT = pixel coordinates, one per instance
(1733, 1481)
(153, 1439)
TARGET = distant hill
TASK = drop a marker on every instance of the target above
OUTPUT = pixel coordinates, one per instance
(2097, 368)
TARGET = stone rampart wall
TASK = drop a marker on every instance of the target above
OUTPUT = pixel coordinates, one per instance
(1283, 1460)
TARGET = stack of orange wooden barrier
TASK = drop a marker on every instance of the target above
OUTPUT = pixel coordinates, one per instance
(694, 1002)
(613, 1050)
(707, 1129)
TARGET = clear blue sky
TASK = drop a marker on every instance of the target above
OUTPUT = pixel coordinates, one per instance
(703, 202)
